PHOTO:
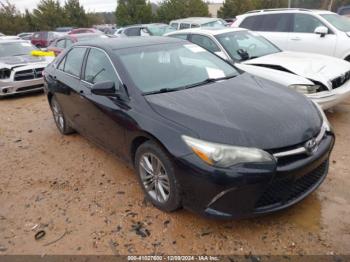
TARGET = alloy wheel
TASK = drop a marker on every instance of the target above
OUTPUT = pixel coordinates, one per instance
(154, 177)
(57, 114)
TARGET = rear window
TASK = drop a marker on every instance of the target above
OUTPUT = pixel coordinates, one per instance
(73, 61)
(268, 23)
(184, 26)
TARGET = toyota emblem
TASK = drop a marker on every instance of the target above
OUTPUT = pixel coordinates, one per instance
(311, 146)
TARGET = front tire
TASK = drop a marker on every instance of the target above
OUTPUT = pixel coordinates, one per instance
(59, 118)
(157, 177)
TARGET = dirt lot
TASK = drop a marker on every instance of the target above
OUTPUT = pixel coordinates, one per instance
(90, 202)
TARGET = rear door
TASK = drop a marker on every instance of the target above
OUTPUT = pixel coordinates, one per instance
(303, 38)
(68, 84)
(274, 27)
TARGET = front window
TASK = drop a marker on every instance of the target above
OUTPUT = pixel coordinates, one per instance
(99, 68)
(244, 45)
(16, 49)
(339, 22)
(304, 23)
(172, 67)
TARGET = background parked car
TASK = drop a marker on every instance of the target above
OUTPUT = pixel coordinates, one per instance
(64, 29)
(134, 30)
(344, 10)
(323, 79)
(312, 31)
(84, 30)
(20, 72)
(25, 36)
(193, 22)
(44, 38)
(59, 44)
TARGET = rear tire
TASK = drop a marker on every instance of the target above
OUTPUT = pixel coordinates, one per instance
(157, 176)
(59, 117)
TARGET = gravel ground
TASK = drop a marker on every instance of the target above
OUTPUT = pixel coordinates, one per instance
(89, 202)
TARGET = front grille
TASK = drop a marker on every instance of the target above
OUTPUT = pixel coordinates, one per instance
(283, 191)
(341, 80)
(29, 74)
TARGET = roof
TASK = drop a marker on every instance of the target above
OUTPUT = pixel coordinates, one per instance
(196, 20)
(129, 42)
(2, 41)
(285, 10)
(208, 30)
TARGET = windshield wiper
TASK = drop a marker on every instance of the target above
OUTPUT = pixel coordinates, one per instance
(20, 54)
(163, 90)
(206, 81)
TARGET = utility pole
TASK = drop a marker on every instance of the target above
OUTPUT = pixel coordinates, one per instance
(289, 3)
(330, 5)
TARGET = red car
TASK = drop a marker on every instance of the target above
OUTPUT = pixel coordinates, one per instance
(43, 38)
(84, 30)
(59, 44)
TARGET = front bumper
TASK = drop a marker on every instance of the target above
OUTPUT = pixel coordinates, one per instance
(329, 99)
(8, 88)
(251, 189)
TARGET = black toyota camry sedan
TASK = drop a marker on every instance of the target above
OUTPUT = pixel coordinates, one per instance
(201, 134)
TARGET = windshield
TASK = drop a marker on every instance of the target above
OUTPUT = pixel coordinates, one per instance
(170, 67)
(16, 49)
(159, 30)
(339, 22)
(244, 45)
(89, 37)
(218, 23)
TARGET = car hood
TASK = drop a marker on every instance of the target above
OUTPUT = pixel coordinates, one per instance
(14, 61)
(311, 66)
(244, 111)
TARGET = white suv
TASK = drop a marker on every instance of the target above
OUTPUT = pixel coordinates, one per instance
(303, 30)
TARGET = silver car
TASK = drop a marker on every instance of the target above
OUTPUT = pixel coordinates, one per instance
(20, 72)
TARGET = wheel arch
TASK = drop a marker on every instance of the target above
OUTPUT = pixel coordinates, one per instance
(140, 139)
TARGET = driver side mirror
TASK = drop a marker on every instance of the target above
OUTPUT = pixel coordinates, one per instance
(321, 30)
(106, 88)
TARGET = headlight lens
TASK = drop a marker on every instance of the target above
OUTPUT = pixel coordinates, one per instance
(5, 73)
(224, 155)
(305, 89)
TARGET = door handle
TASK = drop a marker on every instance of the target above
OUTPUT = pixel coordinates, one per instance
(296, 39)
(81, 92)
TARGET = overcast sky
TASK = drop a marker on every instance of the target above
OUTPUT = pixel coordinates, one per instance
(89, 5)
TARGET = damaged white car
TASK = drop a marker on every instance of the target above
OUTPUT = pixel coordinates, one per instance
(20, 71)
(321, 78)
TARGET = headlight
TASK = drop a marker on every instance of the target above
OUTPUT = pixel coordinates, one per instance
(305, 89)
(224, 155)
(325, 123)
(5, 73)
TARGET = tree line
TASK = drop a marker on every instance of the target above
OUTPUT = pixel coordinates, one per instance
(50, 14)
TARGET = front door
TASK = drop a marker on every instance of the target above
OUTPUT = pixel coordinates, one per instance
(304, 39)
(103, 117)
